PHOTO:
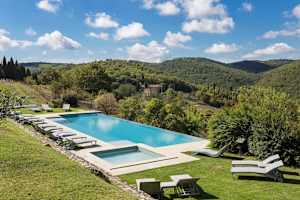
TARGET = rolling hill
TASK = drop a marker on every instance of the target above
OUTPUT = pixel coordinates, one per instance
(285, 78)
(251, 66)
(205, 71)
(37, 65)
(257, 66)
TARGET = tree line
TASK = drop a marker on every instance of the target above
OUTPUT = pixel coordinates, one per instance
(12, 70)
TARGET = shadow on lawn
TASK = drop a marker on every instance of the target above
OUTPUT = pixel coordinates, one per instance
(203, 195)
(290, 173)
(258, 178)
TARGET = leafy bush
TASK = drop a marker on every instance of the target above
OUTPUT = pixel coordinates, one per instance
(107, 103)
(267, 119)
(57, 103)
(196, 122)
(70, 97)
(125, 90)
(227, 126)
(130, 108)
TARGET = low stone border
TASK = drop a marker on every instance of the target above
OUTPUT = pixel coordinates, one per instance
(94, 169)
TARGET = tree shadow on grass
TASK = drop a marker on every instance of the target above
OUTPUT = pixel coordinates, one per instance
(290, 173)
(232, 157)
(203, 195)
(258, 178)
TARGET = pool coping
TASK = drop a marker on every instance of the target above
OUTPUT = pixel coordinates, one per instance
(172, 154)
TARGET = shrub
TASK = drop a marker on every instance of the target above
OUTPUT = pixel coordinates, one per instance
(106, 103)
(130, 108)
(227, 126)
(197, 122)
(267, 119)
(57, 103)
(125, 90)
(70, 97)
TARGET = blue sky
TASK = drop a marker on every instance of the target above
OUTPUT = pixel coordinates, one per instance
(149, 30)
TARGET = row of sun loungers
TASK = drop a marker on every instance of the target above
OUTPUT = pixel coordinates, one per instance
(53, 131)
(268, 167)
(47, 108)
(185, 185)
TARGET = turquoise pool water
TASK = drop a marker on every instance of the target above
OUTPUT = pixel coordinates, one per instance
(126, 155)
(110, 129)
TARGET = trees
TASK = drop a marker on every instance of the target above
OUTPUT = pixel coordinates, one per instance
(125, 90)
(12, 70)
(131, 108)
(106, 103)
(267, 119)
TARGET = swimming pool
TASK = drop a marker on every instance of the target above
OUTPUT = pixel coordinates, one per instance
(126, 155)
(110, 129)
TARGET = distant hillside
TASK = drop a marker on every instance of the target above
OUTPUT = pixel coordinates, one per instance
(205, 71)
(36, 65)
(278, 62)
(251, 66)
(285, 78)
(256, 66)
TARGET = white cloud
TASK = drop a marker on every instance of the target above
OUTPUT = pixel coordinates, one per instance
(167, 8)
(176, 39)
(133, 30)
(30, 32)
(100, 36)
(3, 32)
(148, 4)
(284, 33)
(56, 40)
(278, 48)
(207, 25)
(7, 42)
(152, 52)
(296, 11)
(247, 7)
(101, 20)
(221, 48)
(49, 5)
(203, 8)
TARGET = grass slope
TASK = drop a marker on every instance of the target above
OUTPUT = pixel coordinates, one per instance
(205, 71)
(285, 78)
(30, 170)
(217, 182)
(34, 93)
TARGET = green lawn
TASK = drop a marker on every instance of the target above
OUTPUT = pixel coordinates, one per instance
(30, 170)
(217, 183)
(55, 110)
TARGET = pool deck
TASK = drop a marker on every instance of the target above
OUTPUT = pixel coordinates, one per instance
(171, 155)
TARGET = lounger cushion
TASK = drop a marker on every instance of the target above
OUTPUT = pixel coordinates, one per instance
(170, 184)
(257, 170)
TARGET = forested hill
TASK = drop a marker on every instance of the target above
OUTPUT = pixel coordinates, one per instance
(252, 66)
(256, 66)
(205, 71)
(285, 78)
(38, 65)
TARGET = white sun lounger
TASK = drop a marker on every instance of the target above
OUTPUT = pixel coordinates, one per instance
(264, 163)
(66, 107)
(58, 135)
(270, 171)
(46, 108)
(210, 152)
